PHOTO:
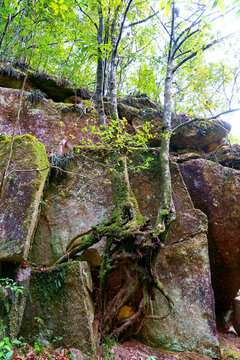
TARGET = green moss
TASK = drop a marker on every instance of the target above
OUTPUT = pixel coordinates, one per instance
(21, 192)
(59, 297)
(49, 285)
(3, 137)
(230, 354)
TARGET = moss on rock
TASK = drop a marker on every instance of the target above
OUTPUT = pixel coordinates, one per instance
(21, 195)
(59, 297)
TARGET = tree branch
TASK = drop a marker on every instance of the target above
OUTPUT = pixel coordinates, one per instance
(201, 49)
(122, 25)
(182, 42)
(86, 14)
(141, 21)
(172, 33)
(193, 24)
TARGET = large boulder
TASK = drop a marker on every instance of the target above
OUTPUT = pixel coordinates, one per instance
(199, 135)
(21, 194)
(183, 268)
(215, 190)
(227, 155)
(59, 306)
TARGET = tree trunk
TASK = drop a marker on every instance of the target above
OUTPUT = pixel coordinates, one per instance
(113, 87)
(100, 68)
(166, 212)
(113, 69)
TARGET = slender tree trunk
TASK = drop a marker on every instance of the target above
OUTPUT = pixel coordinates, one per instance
(100, 68)
(113, 87)
(115, 41)
(113, 68)
(166, 211)
(106, 60)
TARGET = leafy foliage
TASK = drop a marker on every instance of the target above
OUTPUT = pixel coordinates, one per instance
(61, 34)
(6, 345)
(10, 284)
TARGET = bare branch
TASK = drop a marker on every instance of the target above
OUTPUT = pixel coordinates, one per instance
(182, 42)
(193, 24)
(141, 21)
(171, 34)
(201, 49)
(84, 12)
(122, 25)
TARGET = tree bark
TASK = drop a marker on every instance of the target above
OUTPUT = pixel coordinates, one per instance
(166, 212)
(100, 68)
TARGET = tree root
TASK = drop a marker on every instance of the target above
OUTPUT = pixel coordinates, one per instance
(160, 287)
(136, 317)
(130, 242)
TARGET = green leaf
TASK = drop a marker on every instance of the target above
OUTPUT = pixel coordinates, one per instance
(16, 342)
(222, 6)
(167, 8)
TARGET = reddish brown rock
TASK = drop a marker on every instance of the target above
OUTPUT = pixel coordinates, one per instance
(73, 205)
(49, 122)
(194, 136)
(228, 155)
(60, 297)
(74, 100)
(215, 190)
(184, 270)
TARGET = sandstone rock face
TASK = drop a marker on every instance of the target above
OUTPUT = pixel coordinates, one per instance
(228, 155)
(216, 191)
(184, 270)
(21, 195)
(200, 138)
(49, 122)
(60, 297)
(74, 202)
(17, 302)
(194, 136)
(81, 197)
(73, 205)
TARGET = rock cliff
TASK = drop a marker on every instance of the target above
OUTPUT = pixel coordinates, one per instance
(41, 211)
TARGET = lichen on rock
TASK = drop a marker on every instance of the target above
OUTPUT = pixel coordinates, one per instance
(21, 194)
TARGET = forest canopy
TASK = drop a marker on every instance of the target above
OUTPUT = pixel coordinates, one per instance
(61, 38)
